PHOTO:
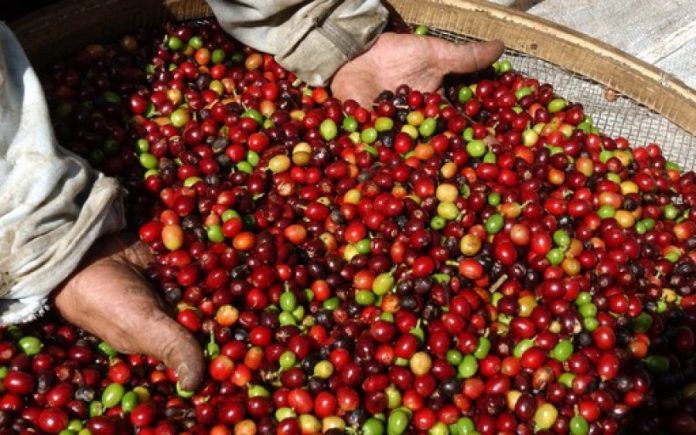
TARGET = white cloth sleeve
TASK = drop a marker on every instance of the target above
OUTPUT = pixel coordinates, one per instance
(53, 205)
(312, 38)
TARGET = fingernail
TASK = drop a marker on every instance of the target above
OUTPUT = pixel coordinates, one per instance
(182, 372)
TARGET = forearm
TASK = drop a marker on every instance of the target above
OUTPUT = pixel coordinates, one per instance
(311, 38)
(53, 206)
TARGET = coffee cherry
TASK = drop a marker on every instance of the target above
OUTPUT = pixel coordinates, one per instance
(489, 261)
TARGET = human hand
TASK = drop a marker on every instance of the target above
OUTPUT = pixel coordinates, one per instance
(418, 61)
(109, 297)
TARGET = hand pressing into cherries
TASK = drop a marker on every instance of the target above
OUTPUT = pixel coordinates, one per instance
(418, 61)
(109, 297)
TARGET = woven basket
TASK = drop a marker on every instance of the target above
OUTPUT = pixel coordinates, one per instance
(653, 106)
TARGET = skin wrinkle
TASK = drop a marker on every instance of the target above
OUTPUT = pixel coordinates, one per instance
(127, 292)
(476, 56)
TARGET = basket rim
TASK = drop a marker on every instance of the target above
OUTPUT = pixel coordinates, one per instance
(574, 51)
(577, 38)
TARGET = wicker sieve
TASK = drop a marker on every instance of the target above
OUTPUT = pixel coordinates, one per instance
(652, 106)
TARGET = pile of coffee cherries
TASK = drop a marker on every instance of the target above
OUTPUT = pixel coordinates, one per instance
(483, 262)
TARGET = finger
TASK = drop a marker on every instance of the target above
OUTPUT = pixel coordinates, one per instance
(122, 311)
(177, 349)
(364, 99)
(363, 96)
(109, 298)
(469, 57)
(138, 254)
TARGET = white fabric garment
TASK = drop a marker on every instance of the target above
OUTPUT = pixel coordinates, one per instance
(312, 38)
(54, 206)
